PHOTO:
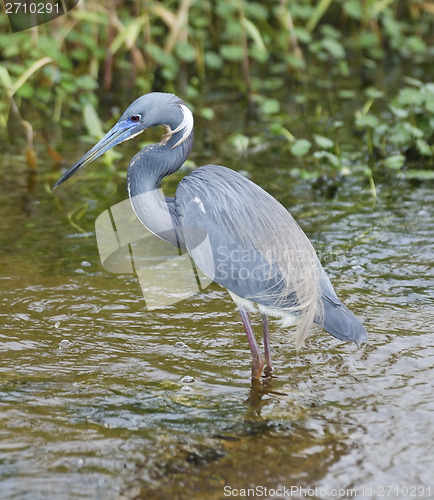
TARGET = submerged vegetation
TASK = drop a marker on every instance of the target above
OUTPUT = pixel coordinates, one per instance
(254, 49)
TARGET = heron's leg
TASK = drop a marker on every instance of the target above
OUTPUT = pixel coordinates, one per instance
(257, 362)
(266, 337)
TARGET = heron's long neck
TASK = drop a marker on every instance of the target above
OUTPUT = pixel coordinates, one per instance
(145, 173)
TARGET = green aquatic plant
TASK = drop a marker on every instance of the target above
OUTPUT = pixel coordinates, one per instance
(404, 131)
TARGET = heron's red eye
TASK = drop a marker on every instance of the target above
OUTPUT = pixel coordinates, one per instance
(135, 118)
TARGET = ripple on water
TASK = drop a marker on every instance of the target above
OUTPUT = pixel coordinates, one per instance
(101, 399)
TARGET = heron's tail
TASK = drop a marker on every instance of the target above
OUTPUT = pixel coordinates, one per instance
(340, 322)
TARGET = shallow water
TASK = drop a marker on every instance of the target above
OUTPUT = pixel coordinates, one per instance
(103, 399)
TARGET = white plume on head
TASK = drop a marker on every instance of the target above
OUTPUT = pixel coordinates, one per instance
(186, 124)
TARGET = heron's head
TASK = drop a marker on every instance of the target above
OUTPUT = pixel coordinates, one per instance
(147, 111)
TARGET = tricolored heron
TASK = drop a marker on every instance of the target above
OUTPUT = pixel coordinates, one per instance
(259, 252)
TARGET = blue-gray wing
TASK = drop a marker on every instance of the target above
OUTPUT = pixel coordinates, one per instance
(231, 210)
(257, 250)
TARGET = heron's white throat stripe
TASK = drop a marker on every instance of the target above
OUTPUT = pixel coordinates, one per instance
(186, 124)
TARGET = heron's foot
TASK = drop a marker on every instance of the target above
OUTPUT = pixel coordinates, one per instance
(268, 371)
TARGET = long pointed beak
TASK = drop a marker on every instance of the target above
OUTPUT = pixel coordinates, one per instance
(119, 133)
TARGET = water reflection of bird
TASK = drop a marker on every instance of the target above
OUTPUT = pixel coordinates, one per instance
(258, 251)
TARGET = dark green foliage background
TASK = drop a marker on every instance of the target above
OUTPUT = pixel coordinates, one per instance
(256, 51)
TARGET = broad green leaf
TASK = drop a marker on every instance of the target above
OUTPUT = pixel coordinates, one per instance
(369, 121)
(334, 48)
(412, 81)
(186, 52)
(426, 175)
(381, 5)
(428, 88)
(414, 45)
(329, 31)
(368, 40)
(410, 97)
(5, 79)
(207, 113)
(270, 106)
(86, 82)
(26, 91)
(329, 157)
(429, 106)
(295, 61)
(240, 142)
(414, 131)
(278, 129)
(399, 112)
(302, 34)
(255, 10)
(213, 60)
(424, 148)
(92, 122)
(232, 52)
(347, 94)
(399, 135)
(354, 9)
(301, 147)
(323, 142)
(374, 93)
(394, 162)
